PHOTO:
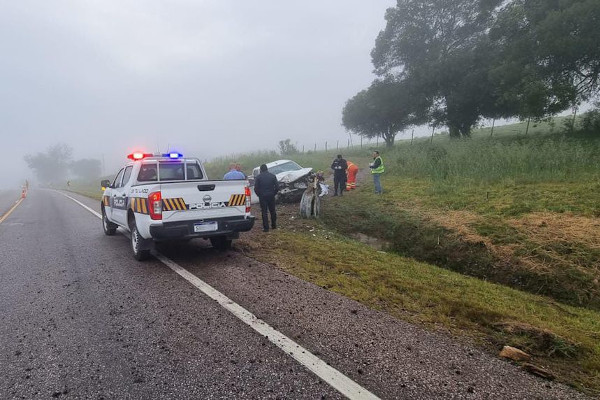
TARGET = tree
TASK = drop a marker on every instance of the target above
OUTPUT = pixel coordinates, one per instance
(286, 147)
(86, 168)
(548, 58)
(435, 46)
(384, 109)
(53, 165)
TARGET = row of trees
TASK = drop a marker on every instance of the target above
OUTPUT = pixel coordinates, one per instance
(452, 62)
(56, 164)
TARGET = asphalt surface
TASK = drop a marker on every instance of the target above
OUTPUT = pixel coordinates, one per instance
(80, 318)
(8, 198)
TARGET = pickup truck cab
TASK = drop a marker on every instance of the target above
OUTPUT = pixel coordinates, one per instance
(168, 197)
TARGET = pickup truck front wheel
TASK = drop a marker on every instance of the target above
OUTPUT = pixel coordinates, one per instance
(138, 244)
(108, 227)
(220, 242)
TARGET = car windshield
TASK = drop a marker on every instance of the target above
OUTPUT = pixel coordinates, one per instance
(285, 167)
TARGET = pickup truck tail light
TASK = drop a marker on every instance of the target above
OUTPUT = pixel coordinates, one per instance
(248, 198)
(155, 205)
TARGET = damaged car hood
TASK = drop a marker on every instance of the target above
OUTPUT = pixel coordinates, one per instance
(291, 176)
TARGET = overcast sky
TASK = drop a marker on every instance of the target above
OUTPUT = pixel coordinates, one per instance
(209, 78)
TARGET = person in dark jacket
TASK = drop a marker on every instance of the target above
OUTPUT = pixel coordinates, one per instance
(339, 167)
(266, 187)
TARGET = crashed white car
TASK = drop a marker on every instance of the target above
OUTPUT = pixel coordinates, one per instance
(292, 178)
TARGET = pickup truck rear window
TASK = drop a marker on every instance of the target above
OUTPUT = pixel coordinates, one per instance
(169, 171)
(194, 171)
(148, 173)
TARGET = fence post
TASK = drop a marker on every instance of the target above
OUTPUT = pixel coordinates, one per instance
(432, 132)
(302, 149)
(348, 143)
(337, 145)
(527, 128)
(361, 142)
(325, 147)
(315, 146)
(412, 136)
(493, 123)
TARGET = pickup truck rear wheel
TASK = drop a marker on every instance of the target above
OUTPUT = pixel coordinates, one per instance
(138, 244)
(108, 227)
(220, 242)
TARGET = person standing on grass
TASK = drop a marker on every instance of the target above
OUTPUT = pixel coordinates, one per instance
(266, 187)
(339, 167)
(351, 179)
(238, 167)
(377, 169)
(234, 173)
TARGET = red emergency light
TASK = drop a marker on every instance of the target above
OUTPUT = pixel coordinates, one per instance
(138, 155)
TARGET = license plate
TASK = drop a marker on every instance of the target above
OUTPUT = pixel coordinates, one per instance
(206, 226)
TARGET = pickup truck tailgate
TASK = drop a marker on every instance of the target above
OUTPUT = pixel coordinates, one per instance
(196, 200)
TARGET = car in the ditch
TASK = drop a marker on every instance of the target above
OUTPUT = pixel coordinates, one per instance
(293, 180)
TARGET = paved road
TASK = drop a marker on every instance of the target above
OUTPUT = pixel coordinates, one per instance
(79, 318)
(7, 199)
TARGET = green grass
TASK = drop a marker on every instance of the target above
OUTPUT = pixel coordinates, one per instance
(404, 218)
(565, 338)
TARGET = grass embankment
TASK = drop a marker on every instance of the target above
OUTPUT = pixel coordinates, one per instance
(518, 211)
(563, 339)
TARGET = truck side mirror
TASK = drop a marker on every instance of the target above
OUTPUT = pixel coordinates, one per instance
(105, 183)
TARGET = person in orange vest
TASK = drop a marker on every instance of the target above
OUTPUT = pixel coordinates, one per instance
(351, 171)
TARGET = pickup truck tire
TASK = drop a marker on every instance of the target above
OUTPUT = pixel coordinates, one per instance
(138, 243)
(109, 228)
(220, 242)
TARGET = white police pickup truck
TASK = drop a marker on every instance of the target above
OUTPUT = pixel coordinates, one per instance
(168, 197)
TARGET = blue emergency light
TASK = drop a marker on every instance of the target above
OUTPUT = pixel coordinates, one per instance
(173, 155)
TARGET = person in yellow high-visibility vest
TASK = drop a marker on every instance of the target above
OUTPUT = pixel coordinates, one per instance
(377, 169)
(351, 171)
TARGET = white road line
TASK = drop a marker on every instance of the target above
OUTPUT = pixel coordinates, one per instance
(82, 205)
(11, 210)
(332, 376)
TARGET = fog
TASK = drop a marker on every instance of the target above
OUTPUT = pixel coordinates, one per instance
(207, 78)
